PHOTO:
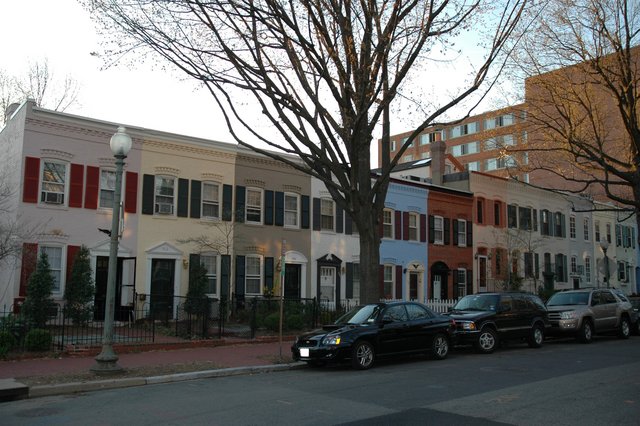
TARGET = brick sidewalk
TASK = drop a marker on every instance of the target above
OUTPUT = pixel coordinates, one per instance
(225, 356)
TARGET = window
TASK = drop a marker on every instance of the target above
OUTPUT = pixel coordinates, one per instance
(462, 282)
(465, 149)
(407, 158)
(561, 268)
(587, 269)
(254, 205)
(480, 211)
(498, 266)
(291, 203)
(253, 279)
(497, 206)
(512, 218)
(596, 226)
(572, 227)
(387, 223)
(464, 129)
(558, 220)
(388, 282)
(210, 261)
(524, 218)
(328, 283)
(428, 138)
(107, 188)
(356, 280)
(574, 265)
(326, 214)
(413, 226)
(528, 265)
(473, 166)
(608, 231)
(438, 230)
(622, 272)
(164, 195)
(585, 226)
(392, 146)
(54, 181)
(210, 200)
(500, 121)
(462, 233)
(54, 256)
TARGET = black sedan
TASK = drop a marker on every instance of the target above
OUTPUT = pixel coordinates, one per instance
(376, 330)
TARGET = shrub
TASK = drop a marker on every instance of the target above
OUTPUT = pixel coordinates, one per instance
(37, 306)
(294, 322)
(79, 292)
(38, 340)
(7, 342)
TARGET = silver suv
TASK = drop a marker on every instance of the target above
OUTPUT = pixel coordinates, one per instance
(584, 313)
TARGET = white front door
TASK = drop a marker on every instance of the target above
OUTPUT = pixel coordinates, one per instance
(437, 287)
(327, 283)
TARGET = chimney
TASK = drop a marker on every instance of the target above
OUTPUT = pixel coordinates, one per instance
(8, 112)
(438, 154)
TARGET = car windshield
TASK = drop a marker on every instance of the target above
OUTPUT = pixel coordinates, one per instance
(360, 315)
(577, 298)
(477, 302)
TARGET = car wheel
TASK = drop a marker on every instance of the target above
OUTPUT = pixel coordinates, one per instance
(362, 355)
(625, 328)
(440, 346)
(585, 334)
(536, 337)
(487, 340)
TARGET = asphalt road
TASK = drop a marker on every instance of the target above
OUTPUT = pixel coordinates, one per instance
(563, 383)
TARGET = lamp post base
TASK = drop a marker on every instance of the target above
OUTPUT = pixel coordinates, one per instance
(106, 363)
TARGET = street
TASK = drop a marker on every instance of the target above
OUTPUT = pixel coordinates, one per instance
(563, 383)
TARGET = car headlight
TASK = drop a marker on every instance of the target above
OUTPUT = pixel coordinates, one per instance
(568, 315)
(469, 326)
(331, 340)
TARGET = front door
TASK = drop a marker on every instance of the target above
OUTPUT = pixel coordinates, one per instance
(122, 308)
(437, 287)
(292, 281)
(162, 273)
(328, 283)
(413, 286)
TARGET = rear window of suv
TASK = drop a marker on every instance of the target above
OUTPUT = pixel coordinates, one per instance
(574, 298)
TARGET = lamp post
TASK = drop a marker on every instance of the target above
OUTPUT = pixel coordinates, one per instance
(604, 245)
(107, 360)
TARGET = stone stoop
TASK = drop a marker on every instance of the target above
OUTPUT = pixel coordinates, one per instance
(11, 390)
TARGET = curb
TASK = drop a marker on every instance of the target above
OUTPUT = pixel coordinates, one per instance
(78, 387)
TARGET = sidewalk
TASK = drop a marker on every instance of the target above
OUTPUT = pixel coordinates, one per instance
(232, 358)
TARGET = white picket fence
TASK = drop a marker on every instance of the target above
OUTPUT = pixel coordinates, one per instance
(440, 305)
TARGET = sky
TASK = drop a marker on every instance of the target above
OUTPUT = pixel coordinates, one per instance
(62, 32)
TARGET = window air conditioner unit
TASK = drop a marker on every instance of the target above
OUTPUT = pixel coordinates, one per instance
(164, 208)
(52, 197)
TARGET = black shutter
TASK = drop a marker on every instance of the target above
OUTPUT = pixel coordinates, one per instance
(349, 284)
(148, 192)
(225, 276)
(348, 224)
(268, 207)
(279, 208)
(305, 212)
(227, 202)
(183, 197)
(469, 281)
(455, 232)
(447, 231)
(316, 214)
(339, 219)
(454, 277)
(240, 277)
(196, 198)
(268, 273)
(240, 199)
(469, 234)
(432, 229)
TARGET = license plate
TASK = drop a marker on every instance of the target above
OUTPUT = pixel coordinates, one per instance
(304, 352)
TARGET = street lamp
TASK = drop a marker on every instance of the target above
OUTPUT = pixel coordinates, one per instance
(604, 245)
(107, 360)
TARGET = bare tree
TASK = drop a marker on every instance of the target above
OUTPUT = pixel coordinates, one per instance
(40, 84)
(581, 61)
(325, 75)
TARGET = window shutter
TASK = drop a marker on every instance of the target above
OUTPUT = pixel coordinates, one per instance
(316, 214)
(454, 277)
(92, 188)
(349, 284)
(76, 183)
(148, 189)
(469, 281)
(29, 261)
(240, 199)
(447, 231)
(305, 212)
(31, 180)
(348, 224)
(469, 234)
(423, 228)
(381, 280)
(339, 219)
(268, 273)
(405, 226)
(536, 265)
(432, 229)
(196, 198)
(279, 221)
(183, 197)
(563, 225)
(227, 202)
(225, 274)
(455, 232)
(72, 251)
(565, 270)
(398, 225)
(268, 208)
(398, 283)
(381, 225)
(131, 192)
(240, 277)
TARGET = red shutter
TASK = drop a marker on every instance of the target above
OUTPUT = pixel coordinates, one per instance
(405, 226)
(93, 183)
(399, 282)
(29, 260)
(75, 186)
(71, 255)
(31, 179)
(131, 193)
(398, 225)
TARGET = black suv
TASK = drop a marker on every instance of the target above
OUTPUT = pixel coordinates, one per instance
(484, 319)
